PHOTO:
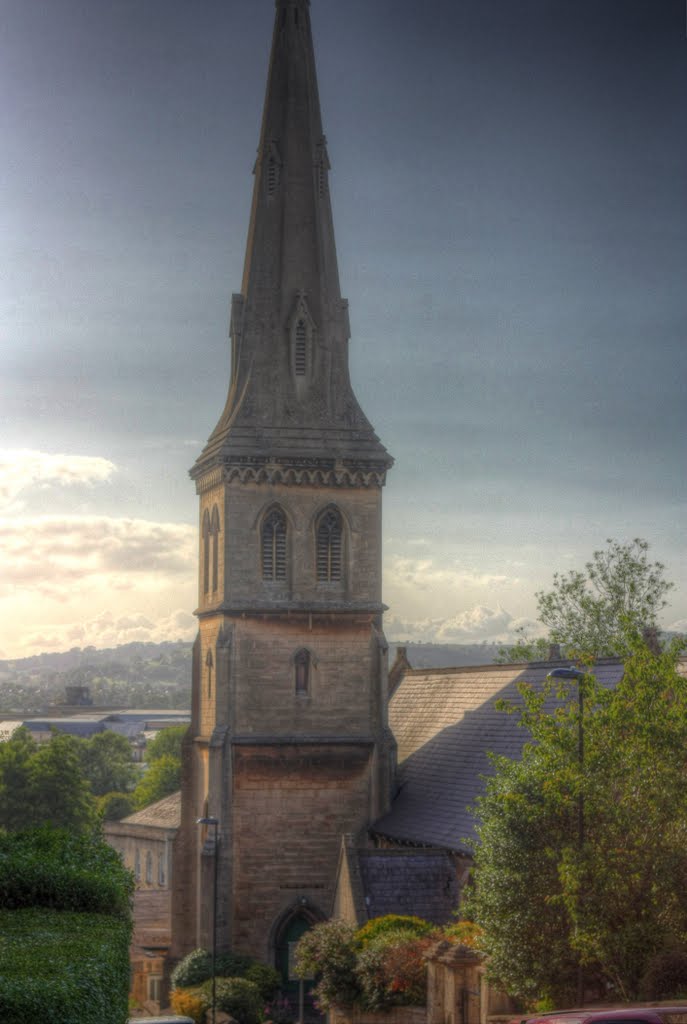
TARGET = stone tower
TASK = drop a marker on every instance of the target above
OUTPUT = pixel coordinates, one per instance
(288, 746)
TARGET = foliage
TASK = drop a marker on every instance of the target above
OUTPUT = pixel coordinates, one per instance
(106, 763)
(391, 970)
(115, 806)
(161, 779)
(167, 742)
(279, 1011)
(466, 933)
(239, 998)
(62, 967)
(393, 923)
(328, 951)
(665, 976)
(596, 612)
(190, 1002)
(54, 868)
(267, 979)
(43, 784)
(549, 896)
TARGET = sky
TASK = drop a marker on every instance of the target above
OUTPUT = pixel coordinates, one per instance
(509, 185)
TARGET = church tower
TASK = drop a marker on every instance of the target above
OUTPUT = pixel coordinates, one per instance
(288, 746)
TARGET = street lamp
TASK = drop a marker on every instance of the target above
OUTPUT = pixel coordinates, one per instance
(578, 675)
(214, 824)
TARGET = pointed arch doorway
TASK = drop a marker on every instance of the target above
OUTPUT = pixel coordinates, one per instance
(291, 927)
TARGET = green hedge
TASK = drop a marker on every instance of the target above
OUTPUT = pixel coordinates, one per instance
(53, 868)
(60, 967)
(65, 928)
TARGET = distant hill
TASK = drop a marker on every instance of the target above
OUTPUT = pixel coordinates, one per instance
(149, 675)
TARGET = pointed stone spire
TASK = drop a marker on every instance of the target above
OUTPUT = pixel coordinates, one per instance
(290, 399)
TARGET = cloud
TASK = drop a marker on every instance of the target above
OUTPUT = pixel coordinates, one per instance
(426, 574)
(474, 625)
(51, 554)
(110, 630)
(21, 469)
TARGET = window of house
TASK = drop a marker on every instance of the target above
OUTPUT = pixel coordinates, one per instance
(149, 868)
(206, 551)
(329, 547)
(214, 534)
(273, 546)
(161, 876)
(137, 866)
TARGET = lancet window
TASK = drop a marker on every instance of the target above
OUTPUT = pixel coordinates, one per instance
(273, 546)
(302, 672)
(329, 547)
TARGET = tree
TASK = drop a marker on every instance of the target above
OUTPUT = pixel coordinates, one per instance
(596, 611)
(106, 762)
(43, 784)
(162, 778)
(167, 741)
(551, 895)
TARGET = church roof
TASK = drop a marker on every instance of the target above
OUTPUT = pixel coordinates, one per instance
(446, 723)
(165, 813)
(422, 883)
(290, 403)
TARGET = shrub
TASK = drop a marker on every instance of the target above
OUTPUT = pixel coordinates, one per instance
(196, 968)
(267, 979)
(238, 997)
(328, 951)
(391, 970)
(62, 967)
(53, 868)
(665, 976)
(467, 933)
(190, 1002)
(391, 923)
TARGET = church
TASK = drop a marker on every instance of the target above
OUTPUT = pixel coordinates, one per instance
(289, 747)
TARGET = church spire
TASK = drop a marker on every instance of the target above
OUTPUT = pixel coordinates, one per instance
(290, 397)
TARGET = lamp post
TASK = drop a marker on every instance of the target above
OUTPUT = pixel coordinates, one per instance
(214, 824)
(578, 675)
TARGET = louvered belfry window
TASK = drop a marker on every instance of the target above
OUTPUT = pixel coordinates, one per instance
(329, 545)
(300, 349)
(274, 546)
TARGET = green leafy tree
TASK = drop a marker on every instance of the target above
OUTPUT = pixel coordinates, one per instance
(106, 762)
(596, 611)
(162, 778)
(167, 742)
(582, 860)
(115, 806)
(43, 784)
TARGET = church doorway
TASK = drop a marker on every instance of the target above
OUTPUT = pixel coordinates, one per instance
(295, 923)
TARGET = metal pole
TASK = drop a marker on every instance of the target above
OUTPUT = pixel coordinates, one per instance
(214, 926)
(580, 812)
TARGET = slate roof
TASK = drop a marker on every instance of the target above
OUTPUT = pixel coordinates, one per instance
(165, 813)
(445, 723)
(419, 882)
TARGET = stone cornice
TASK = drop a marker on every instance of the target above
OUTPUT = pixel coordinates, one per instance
(291, 472)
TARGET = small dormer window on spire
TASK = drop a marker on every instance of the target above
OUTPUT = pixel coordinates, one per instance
(272, 169)
(300, 355)
(302, 330)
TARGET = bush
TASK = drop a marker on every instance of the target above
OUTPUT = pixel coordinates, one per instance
(53, 868)
(328, 951)
(391, 923)
(267, 979)
(196, 968)
(238, 997)
(467, 933)
(62, 967)
(190, 1002)
(391, 970)
(665, 976)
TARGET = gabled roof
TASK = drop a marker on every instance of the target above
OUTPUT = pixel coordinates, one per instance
(446, 724)
(165, 813)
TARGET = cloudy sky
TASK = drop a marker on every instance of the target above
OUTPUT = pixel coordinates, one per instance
(509, 180)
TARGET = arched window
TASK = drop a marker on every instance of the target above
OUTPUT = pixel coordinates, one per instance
(273, 546)
(161, 877)
(214, 533)
(206, 551)
(149, 868)
(302, 672)
(300, 348)
(209, 664)
(329, 547)
(137, 866)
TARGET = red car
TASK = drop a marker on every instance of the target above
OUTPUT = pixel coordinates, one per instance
(627, 1015)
